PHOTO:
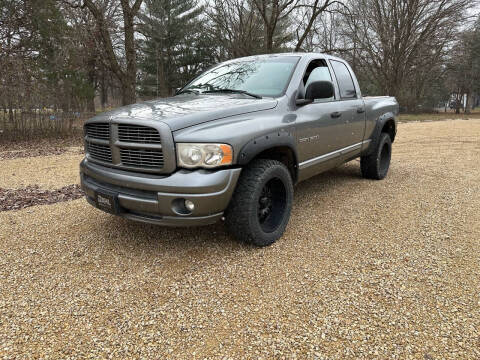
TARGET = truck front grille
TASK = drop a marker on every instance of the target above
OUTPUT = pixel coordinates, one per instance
(98, 130)
(138, 134)
(125, 146)
(99, 152)
(152, 159)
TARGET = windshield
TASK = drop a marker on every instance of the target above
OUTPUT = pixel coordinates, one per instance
(261, 76)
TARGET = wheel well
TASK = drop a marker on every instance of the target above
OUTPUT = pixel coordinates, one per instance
(389, 128)
(285, 155)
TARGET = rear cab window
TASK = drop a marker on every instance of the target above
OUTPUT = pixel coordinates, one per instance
(344, 80)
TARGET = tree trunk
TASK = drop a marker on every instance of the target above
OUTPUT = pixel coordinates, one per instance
(470, 103)
(4, 120)
(128, 94)
(103, 91)
(91, 104)
(130, 80)
(127, 77)
(10, 113)
(457, 102)
(268, 41)
(162, 87)
(92, 79)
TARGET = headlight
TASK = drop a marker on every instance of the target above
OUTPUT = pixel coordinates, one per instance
(204, 155)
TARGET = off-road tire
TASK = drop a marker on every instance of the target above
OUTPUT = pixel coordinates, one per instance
(376, 165)
(247, 217)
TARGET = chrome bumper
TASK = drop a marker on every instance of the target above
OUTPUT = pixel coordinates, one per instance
(152, 198)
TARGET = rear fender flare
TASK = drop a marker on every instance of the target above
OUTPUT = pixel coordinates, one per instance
(375, 137)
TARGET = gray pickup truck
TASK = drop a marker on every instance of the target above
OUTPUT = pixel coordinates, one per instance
(232, 143)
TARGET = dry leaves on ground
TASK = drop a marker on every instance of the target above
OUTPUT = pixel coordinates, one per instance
(14, 199)
(35, 148)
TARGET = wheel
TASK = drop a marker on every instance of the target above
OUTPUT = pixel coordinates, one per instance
(261, 204)
(375, 165)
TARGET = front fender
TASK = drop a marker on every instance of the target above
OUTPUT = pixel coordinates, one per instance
(280, 138)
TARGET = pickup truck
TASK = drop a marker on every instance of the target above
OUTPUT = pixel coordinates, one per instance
(231, 144)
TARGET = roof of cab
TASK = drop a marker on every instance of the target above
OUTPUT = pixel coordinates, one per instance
(290, 54)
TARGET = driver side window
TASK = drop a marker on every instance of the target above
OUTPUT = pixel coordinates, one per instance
(317, 70)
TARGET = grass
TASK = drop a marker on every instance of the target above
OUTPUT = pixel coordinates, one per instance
(439, 116)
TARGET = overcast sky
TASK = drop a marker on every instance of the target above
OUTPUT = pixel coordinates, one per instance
(476, 8)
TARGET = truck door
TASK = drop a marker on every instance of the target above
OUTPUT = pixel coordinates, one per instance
(353, 108)
(319, 125)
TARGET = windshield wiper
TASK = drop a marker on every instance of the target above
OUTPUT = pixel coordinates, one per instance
(188, 91)
(233, 91)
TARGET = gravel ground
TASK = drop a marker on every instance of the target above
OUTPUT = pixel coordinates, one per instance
(48, 172)
(366, 269)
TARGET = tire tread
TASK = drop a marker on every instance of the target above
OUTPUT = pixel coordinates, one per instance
(369, 164)
(238, 214)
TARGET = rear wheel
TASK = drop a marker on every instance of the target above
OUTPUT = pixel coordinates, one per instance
(376, 165)
(260, 207)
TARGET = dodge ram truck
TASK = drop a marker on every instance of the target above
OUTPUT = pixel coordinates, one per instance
(233, 142)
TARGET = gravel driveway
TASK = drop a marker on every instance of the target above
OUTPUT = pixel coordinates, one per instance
(366, 269)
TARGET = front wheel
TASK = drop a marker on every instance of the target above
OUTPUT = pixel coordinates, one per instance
(376, 165)
(261, 204)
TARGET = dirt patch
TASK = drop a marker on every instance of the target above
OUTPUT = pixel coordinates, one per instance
(48, 172)
(15, 199)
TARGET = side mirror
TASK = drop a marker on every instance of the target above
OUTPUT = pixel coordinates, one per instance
(319, 90)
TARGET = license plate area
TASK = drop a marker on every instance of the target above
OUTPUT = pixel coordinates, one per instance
(107, 202)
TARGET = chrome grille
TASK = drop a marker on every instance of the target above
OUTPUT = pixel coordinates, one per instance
(98, 130)
(99, 152)
(134, 147)
(143, 158)
(138, 134)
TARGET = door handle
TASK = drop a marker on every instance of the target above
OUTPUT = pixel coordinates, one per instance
(336, 114)
(360, 110)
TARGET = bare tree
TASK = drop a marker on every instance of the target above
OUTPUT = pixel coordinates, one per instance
(273, 13)
(463, 68)
(310, 13)
(400, 39)
(237, 27)
(126, 75)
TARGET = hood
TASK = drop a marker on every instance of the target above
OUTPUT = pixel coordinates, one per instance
(186, 110)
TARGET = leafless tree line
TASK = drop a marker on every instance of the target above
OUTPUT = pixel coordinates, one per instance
(83, 55)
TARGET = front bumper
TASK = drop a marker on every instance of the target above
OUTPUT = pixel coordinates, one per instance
(152, 198)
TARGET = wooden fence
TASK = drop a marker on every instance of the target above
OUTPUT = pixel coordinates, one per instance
(21, 124)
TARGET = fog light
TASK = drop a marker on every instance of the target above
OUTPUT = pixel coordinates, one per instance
(189, 205)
